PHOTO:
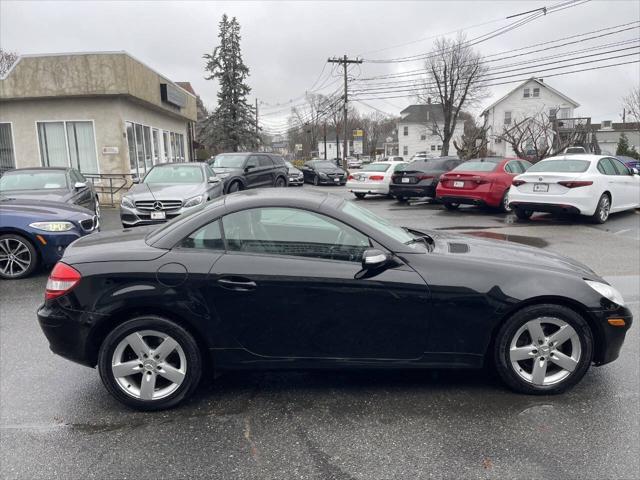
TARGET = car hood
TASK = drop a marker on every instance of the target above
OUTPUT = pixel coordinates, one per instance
(162, 191)
(330, 170)
(45, 195)
(44, 210)
(113, 246)
(494, 251)
(294, 170)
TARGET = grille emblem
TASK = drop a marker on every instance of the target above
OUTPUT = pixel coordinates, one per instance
(157, 206)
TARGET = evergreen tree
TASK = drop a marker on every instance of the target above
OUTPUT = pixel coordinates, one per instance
(623, 145)
(233, 118)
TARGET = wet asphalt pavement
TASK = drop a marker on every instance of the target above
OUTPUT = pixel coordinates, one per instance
(57, 421)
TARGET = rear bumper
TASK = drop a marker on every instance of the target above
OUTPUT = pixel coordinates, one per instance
(545, 207)
(484, 197)
(412, 190)
(462, 200)
(360, 187)
(583, 201)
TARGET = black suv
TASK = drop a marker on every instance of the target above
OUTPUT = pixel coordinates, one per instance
(243, 170)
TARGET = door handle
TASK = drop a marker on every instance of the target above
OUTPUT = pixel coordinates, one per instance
(237, 284)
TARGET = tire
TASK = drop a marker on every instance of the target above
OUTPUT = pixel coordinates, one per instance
(280, 183)
(359, 195)
(602, 210)
(316, 181)
(523, 214)
(18, 257)
(97, 207)
(504, 203)
(451, 206)
(577, 350)
(185, 358)
(401, 199)
(234, 187)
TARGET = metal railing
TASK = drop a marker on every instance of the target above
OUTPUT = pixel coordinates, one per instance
(109, 186)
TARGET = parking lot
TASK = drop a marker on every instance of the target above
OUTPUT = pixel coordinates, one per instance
(58, 421)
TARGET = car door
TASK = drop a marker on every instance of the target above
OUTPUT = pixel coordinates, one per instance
(83, 195)
(628, 184)
(267, 171)
(611, 182)
(214, 189)
(252, 171)
(287, 287)
(307, 171)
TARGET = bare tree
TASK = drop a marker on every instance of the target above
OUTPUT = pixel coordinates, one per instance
(474, 141)
(537, 137)
(6, 60)
(632, 103)
(376, 127)
(454, 80)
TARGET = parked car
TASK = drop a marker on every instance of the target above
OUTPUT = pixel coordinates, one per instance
(420, 177)
(296, 179)
(353, 162)
(422, 156)
(50, 184)
(591, 185)
(374, 178)
(630, 162)
(220, 287)
(168, 190)
(323, 172)
(575, 149)
(365, 159)
(240, 171)
(392, 159)
(481, 181)
(36, 233)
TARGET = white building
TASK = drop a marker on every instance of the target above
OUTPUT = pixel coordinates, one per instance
(417, 130)
(608, 135)
(528, 99)
(334, 150)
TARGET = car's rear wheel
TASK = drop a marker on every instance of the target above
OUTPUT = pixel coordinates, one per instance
(234, 187)
(401, 199)
(602, 210)
(18, 257)
(280, 182)
(451, 206)
(97, 208)
(359, 195)
(504, 203)
(150, 363)
(543, 349)
(523, 214)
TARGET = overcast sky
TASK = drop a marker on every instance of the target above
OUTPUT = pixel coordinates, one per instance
(286, 44)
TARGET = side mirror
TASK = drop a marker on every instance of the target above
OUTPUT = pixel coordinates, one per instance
(135, 179)
(213, 180)
(249, 167)
(634, 171)
(79, 185)
(373, 259)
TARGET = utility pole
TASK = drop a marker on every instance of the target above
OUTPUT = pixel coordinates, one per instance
(325, 139)
(344, 61)
(257, 129)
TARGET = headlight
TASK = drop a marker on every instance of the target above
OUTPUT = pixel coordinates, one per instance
(323, 175)
(607, 291)
(126, 202)
(52, 226)
(192, 202)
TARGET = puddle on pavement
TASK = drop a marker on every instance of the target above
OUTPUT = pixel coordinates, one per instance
(530, 241)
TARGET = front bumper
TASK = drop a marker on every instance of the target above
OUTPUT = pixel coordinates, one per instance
(608, 337)
(415, 190)
(134, 217)
(296, 180)
(332, 181)
(373, 188)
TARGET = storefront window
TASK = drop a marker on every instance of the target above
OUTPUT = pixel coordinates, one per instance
(139, 150)
(156, 145)
(131, 142)
(149, 146)
(167, 147)
(68, 144)
(148, 155)
(174, 150)
(7, 156)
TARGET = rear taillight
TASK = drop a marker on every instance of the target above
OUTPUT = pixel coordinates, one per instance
(376, 178)
(575, 184)
(517, 183)
(350, 177)
(424, 177)
(61, 280)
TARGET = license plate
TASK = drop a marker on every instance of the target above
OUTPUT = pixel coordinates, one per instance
(158, 216)
(540, 187)
(336, 180)
(458, 184)
(406, 180)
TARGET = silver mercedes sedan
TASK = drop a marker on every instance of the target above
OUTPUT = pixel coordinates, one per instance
(167, 191)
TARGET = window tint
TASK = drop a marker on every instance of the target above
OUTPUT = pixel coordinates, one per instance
(513, 167)
(33, 180)
(560, 166)
(606, 167)
(477, 166)
(294, 232)
(252, 162)
(279, 161)
(525, 165)
(376, 167)
(209, 171)
(208, 237)
(265, 161)
(619, 167)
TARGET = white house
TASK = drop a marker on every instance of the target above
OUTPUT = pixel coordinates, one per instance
(417, 130)
(608, 135)
(527, 99)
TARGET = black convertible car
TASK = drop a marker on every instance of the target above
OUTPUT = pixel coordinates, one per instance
(280, 279)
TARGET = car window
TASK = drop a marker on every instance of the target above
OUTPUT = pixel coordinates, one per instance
(252, 162)
(563, 165)
(620, 168)
(209, 171)
(477, 166)
(511, 167)
(76, 176)
(606, 167)
(265, 161)
(169, 174)
(397, 167)
(208, 237)
(376, 167)
(451, 164)
(292, 232)
(33, 180)
(524, 165)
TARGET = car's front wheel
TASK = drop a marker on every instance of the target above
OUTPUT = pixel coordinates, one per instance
(18, 257)
(543, 349)
(280, 182)
(150, 363)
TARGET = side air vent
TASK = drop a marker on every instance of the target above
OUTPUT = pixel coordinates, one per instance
(458, 248)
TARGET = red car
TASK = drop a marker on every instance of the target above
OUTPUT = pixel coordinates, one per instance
(480, 181)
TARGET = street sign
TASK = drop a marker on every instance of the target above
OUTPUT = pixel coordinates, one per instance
(358, 133)
(357, 147)
(298, 147)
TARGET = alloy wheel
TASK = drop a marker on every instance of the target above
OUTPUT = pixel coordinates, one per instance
(97, 209)
(149, 365)
(15, 257)
(605, 207)
(545, 351)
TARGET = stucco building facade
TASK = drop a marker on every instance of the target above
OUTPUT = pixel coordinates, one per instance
(102, 113)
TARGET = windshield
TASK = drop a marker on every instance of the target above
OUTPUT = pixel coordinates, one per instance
(322, 165)
(229, 161)
(289, 164)
(382, 225)
(33, 180)
(175, 174)
(485, 165)
(560, 166)
(376, 167)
